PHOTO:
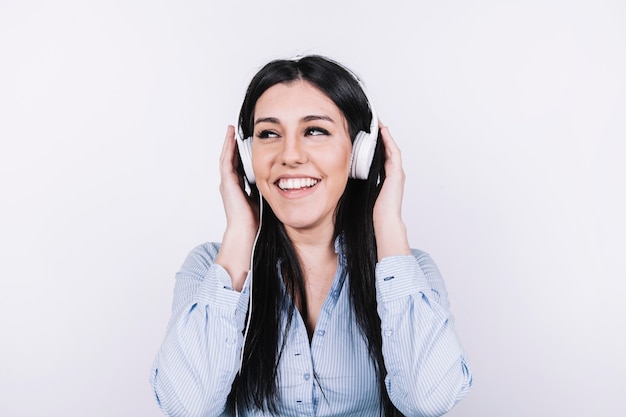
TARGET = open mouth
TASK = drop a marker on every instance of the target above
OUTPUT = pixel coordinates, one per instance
(286, 184)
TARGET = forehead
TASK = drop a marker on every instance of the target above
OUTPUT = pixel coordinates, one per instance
(296, 99)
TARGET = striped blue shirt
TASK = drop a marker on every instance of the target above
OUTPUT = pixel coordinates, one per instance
(427, 371)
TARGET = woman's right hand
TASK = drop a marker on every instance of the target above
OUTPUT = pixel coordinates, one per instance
(242, 211)
(242, 215)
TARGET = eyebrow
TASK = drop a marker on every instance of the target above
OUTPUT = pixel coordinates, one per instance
(317, 117)
(308, 118)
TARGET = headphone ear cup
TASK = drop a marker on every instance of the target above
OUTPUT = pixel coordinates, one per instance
(363, 149)
(245, 152)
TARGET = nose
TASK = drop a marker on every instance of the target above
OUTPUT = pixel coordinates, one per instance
(293, 151)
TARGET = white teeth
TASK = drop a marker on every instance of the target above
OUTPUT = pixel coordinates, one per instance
(296, 183)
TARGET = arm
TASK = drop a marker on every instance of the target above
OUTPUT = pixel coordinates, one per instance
(427, 372)
(242, 215)
(199, 358)
(197, 363)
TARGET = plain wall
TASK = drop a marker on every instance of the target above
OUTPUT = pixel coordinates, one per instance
(510, 116)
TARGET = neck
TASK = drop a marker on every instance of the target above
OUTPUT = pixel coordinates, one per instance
(318, 262)
(316, 253)
(318, 245)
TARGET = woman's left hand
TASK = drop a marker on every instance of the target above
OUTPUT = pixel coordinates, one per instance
(391, 237)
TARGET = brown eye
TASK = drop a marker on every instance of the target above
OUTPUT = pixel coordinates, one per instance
(316, 131)
(266, 134)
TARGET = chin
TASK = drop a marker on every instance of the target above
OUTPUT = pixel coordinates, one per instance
(300, 223)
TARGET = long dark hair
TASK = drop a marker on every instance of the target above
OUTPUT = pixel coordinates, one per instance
(257, 383)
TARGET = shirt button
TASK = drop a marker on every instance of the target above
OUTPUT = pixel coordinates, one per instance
(229, 341)
(388, 332)
(307, 376)
(321, 332)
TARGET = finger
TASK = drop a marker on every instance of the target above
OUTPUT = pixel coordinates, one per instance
(391, 148)
(227, 158)
(228, 143)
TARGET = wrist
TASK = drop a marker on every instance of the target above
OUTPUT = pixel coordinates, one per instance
(240, 231)
(235, 254)
(391, 238)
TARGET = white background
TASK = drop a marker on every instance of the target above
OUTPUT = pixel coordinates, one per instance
(510, 115)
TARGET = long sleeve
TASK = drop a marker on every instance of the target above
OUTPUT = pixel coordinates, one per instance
(199, 358)
(427, 370)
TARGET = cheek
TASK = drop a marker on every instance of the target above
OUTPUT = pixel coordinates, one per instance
(331, 158)
(260, 161)
(344, 159)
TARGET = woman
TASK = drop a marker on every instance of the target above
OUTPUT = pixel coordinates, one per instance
(344, 319)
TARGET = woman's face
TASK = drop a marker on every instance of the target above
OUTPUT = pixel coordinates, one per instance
(300, 155)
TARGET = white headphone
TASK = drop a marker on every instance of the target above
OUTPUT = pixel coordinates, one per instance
(362, 148)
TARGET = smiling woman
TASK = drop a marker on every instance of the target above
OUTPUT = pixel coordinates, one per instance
(344, 318)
